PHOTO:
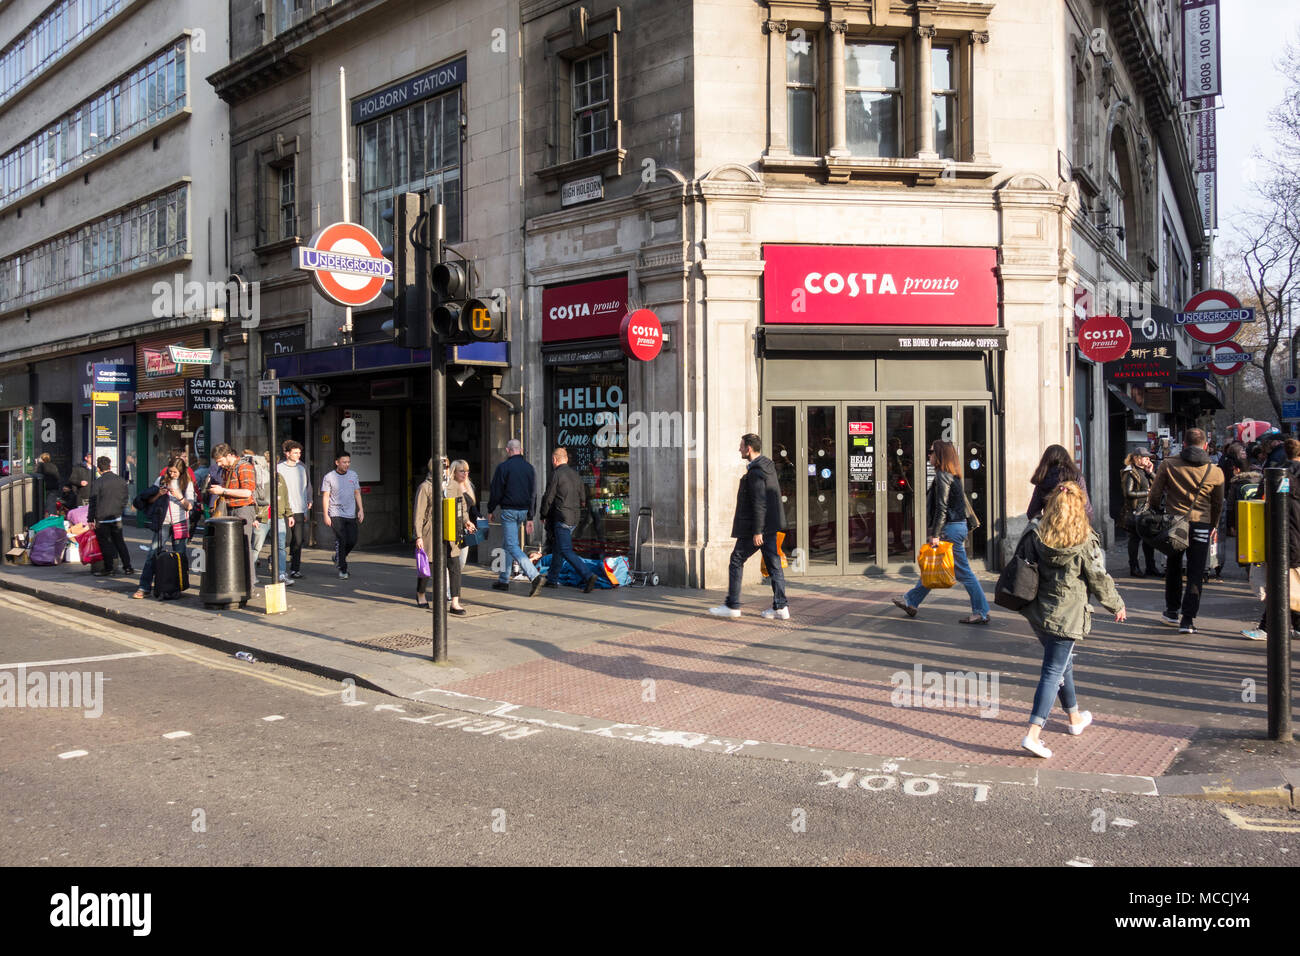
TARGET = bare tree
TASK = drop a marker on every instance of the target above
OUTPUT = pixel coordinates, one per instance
(1267, 262)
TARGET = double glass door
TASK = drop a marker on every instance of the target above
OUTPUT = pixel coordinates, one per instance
(854, 477)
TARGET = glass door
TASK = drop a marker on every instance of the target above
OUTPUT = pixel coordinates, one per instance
(901, 482)
(862, 533)
(823, 552)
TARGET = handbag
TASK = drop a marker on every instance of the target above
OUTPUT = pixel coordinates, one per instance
(1018, 583)
(972, 520)
(422, 563)
(937, 567)
(1168, 533)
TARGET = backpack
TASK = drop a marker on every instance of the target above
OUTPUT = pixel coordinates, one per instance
(262, 492)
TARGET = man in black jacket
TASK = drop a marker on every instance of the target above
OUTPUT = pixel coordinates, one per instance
(80, 478)
(561, 505)
(759, 516)
(108, 497)
(513, 490)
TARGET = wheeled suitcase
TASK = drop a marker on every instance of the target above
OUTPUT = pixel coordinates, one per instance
(171, 574)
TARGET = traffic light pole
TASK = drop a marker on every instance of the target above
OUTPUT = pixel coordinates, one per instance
(1277, 608)
(435, 234)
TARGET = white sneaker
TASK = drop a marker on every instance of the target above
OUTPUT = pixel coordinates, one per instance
(724, 611)
(775, 614)
(1035, 747)
(1082, 725)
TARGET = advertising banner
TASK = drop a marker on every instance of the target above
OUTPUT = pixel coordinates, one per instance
(1154, 361)
(105, 421)
(211, 395)
(584, 310)
(880, 285)
(1200, 49)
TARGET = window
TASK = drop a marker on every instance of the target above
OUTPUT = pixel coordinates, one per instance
(873, 99)
(417, 150)
(590, 105)
(1116, 200)
(801, 95)
(127, 107)
(943, 90)
(150, 231)
(288, 203)
(49, 37)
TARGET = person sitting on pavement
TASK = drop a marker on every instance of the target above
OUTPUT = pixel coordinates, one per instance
(946, 518)
(1291, 448)
(1071, 565)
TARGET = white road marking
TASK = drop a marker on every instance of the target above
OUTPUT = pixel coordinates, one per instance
(354, 703)
(392, 707)
(177, 734)
(1121, 822)
(73, 753)
(273, 717)
(78, 660)
(1080, 861)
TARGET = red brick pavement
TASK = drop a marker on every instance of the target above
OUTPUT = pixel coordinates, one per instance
(699, 688)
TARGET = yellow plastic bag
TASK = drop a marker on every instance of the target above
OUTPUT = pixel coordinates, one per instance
(937, 569)
(762, 561)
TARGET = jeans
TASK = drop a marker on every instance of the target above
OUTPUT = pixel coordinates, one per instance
(260, 536)
(511, 519)
(1189, 599)
(955, 531)
(297, 538)
(741, 553)
(168, 544)
(345, 539)
(562, 550)
(1056, 679)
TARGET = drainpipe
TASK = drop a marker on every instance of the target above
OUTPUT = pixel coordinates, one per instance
(510, 407)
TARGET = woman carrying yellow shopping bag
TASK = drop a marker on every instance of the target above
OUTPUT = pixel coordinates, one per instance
(946, 518)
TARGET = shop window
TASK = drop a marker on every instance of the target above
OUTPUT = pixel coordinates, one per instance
(583, 400)
(416, 150)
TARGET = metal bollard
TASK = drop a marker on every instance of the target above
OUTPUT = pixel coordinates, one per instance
(1277, 486)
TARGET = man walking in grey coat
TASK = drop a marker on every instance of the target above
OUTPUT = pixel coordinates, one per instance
(759, 516)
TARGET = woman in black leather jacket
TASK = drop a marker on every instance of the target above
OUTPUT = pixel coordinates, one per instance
(945, 512)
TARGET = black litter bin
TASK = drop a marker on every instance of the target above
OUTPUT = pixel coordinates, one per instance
(225, 569)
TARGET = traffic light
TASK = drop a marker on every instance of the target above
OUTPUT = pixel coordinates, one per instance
(409, 324)
(458, 318)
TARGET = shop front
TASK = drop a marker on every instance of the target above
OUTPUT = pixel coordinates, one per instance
(867, 356)
(163, 428)
(586, 398)
(16, 450)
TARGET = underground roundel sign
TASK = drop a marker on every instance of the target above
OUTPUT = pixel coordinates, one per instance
(641, 335)
(1105, 338)
(1213, 304)
(346, 263)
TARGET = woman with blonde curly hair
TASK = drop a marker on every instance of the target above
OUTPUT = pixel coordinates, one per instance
(1071, 565)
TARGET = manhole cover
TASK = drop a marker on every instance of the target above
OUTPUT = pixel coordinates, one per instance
(400, 642)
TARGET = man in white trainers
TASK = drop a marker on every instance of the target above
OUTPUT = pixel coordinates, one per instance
(759, 516)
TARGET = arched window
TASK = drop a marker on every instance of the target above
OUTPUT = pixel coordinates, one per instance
(1119, 194)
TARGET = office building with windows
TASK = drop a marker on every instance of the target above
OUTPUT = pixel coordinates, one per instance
(113, 221)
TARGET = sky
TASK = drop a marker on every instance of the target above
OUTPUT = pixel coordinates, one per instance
(1253, 34)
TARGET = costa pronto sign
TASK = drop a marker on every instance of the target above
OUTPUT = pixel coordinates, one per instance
(641, 335)
(1105, 338)
(879, 285)
(584, 310)
(346, 264)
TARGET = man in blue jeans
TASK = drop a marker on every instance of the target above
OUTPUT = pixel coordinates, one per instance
(759, 516)
(514, 492)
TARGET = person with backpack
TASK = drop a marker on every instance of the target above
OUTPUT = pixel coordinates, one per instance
(1136, 480)
(236, 494)
(947, 514)
(1071, 566)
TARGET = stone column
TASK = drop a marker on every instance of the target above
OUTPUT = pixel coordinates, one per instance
(837, 29)
(924, 106)
(975, 85)
(777, 121)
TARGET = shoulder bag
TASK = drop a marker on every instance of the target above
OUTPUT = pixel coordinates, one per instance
(1018, 583)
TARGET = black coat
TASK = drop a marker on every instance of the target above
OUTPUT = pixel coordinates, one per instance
(49, 473)
(944, 502)
(565, 496)
(79, 474)
(108, 497)
(758, 501)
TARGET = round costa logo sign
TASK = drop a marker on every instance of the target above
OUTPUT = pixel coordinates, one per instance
(641, 335)
(347, 264)
(1105, 338)
(1212, 300)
